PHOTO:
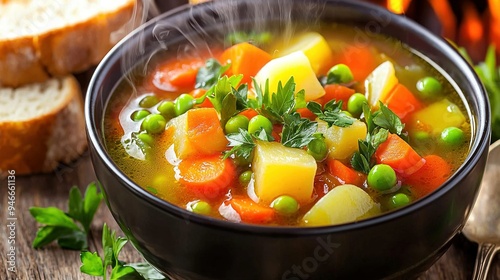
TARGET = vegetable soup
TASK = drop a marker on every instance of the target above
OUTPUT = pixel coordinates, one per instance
(318, 129)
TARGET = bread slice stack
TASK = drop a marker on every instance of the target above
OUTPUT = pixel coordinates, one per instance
(42, 42)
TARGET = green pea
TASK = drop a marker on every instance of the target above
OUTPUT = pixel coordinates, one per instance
(355, 104)
(452, 136)
(258, 122)
(285, 205)
(429, 87)
(201, 207)
(381, 177)
(339, 73)
(245, 177)
(235, 123)
(139, 115)
(318, 148)
(183, 103)
(167, 109)
(154, 123)
(146, 138)
(421, 136)
(399, 200)
(149, 101)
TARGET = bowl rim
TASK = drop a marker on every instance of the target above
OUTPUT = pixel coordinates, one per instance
(479, 144)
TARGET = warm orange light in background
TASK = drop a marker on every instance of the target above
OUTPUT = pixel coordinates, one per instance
(446, 16)
(398, 6)
(494, 8)
(471, 28)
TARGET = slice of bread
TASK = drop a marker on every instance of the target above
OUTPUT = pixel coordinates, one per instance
(41, 125)
(40, 39)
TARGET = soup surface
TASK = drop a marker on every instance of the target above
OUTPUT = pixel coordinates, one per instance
(318, 129)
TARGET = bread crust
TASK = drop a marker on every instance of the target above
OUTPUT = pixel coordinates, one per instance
(62, 51)
(40, 144)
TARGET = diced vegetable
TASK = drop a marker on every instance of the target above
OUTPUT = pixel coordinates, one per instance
(273, 166)
(380, 83)
(208, 177)
(177, 74)
(314, 47)
(198, 132)
(337, 92)
(438, 116)
(361, 58)
(342, 142)
(343, 204)
(399, 155)
(382, 177)
(294, 65)
(433, 174)
(245, 59)
(251, 212)
(402, 102)
(344, 173)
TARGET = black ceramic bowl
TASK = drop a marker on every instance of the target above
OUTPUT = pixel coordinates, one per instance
(183, 245)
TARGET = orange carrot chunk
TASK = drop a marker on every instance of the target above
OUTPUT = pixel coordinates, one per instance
(399, 155)
(208, 177)
(178, 74)
(252, 212)
(402, 102)
(306, 113)
(360, 58)
(199, 92)
(204, 131)
(344, 173)
(245, 59)
(433, 174)
(337, 92)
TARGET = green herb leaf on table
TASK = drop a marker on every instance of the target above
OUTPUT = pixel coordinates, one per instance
(297, 132)
(61, 226)
(93, 264)
(332, 113)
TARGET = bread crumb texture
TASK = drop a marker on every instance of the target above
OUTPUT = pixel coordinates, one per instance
(41, 125)
(40, 39)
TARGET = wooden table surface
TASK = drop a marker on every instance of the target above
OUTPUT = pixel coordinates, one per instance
(51, 262)
(54, 263)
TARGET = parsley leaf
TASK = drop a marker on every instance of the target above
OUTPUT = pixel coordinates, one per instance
(223, 98)
(385, 118)
(282, 102)
(62, 226)
(242, 143)
(297, 132)
(209, 74)
(252, 37)
(379, 125)
(332, 113)
(93, 264)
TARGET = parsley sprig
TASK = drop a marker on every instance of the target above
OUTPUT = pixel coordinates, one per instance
(379, 124)
(93, 264)
(69, 228)
(332, 113)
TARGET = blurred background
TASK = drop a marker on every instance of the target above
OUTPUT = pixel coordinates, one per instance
(473, 25)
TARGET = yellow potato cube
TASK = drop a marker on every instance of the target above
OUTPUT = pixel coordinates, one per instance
(342, 142)
(438, 116)
(343, 204)
(380, 83)
(280, 170)
(294, 65)
(314, 47)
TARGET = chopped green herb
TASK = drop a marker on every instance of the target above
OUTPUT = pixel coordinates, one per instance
(242, 143)
(276, 105)
(62, 226)
(332, 113)
(208, 75)
(93, 264)
(252, 37)
(297, 132)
